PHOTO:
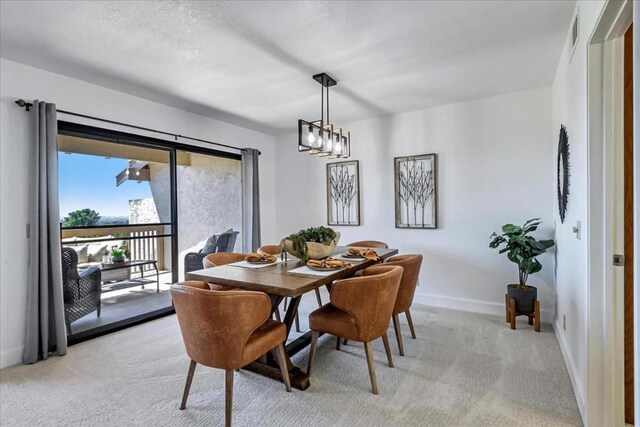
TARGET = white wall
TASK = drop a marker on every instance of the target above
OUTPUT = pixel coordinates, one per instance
(495, 165)
(569, 98)
(20, 81)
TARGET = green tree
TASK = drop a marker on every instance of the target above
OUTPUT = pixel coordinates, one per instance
(81, 218)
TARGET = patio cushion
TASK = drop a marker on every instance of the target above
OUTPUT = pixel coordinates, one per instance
(83, 254)
(96, 251)
(210, 246)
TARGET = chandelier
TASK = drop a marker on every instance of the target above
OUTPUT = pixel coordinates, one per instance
(319, 136)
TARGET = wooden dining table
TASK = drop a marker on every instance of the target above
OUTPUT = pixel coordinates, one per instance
(279, 281)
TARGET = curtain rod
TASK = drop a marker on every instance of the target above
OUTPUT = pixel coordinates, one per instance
(27, 105)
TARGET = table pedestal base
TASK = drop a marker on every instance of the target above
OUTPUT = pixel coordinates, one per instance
(299, 379)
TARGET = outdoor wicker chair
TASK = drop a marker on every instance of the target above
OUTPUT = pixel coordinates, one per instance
(225, 243)
(81, 288)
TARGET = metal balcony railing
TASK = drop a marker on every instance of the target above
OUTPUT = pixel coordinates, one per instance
(146, 242)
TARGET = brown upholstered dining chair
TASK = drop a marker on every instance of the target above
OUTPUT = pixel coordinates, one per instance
(276, 250)
(360, 310)
(222, 258)
(369, 244)
(218, 259)
(226, 330)
(411, 265)
(270, 250)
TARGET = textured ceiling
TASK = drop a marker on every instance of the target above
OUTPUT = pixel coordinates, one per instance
(251, 63)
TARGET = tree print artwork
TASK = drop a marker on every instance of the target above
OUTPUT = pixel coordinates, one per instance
(343, 193)
(415, 188)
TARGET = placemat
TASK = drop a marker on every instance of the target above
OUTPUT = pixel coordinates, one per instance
(307, 270)
(245, 264)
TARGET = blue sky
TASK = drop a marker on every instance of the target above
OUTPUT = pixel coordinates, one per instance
(90, 182)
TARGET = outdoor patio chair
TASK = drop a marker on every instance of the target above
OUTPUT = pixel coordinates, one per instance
(81, 288)
(225, 243)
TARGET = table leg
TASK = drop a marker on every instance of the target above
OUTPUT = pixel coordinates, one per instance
(142, 275)
(155, 265)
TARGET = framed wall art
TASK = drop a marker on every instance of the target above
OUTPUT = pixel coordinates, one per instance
(343, 193)
(416, 191)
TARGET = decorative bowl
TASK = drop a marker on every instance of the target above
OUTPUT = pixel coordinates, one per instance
(315, 250)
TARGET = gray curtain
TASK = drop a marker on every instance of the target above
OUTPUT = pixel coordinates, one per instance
(250, 200)
(45, 325)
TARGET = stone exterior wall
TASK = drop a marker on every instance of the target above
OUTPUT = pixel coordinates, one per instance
(209, 200)
(143, 211)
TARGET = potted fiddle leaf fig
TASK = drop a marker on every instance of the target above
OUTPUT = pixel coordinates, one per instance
(522, 249)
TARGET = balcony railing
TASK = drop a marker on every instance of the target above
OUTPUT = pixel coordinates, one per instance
(146, 242)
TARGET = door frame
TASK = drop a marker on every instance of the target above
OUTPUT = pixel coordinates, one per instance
(110, 135)
(605, 302)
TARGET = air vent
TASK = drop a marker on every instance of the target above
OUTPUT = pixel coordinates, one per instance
(575, 33)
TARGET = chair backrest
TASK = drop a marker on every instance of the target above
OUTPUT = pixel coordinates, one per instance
(369, 299)
(411, 265)
(69, 264)
(227, 241)
(369, 244)
(215, 325)
(221, 258)
(270, 250)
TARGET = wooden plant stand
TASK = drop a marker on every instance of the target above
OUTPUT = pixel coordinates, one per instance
(510, 308)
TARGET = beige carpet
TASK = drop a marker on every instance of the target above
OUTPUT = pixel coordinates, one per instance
(464, 369)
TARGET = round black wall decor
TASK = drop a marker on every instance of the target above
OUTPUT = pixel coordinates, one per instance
(563, 172)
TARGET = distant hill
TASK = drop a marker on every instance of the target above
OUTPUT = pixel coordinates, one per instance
(113, 220)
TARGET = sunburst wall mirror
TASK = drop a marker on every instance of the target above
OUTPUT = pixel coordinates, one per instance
(563, 172)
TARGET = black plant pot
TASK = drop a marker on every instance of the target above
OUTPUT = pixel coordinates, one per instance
(525, 297)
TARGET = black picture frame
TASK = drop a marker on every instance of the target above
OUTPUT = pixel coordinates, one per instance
(339, 190)
(416, 185)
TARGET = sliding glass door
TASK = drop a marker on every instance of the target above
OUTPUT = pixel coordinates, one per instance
(209, 204)
(132, 209)
(117, 231)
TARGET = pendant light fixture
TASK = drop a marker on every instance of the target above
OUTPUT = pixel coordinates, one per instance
(320, 136)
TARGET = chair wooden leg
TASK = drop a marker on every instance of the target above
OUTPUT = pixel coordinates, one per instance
(312, 351)
(297, 323)
(410, 322)
(372, 369)
(187, 386)
(282, 361)
(228, 397)
(387, 349)
(512, 313)
(338, 339)
(537, 313)
(396, 326)
(318, 297)
(530, 318)
(345, 342)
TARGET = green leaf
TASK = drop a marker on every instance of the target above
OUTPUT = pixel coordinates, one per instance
(511, 229)
(532, 220)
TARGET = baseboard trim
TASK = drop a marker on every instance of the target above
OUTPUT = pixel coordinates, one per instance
(578, 390)
(11, 357)
(476, 306)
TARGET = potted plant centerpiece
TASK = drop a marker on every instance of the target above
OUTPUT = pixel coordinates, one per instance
(312, 243)
(118, 252)
(523, 250)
